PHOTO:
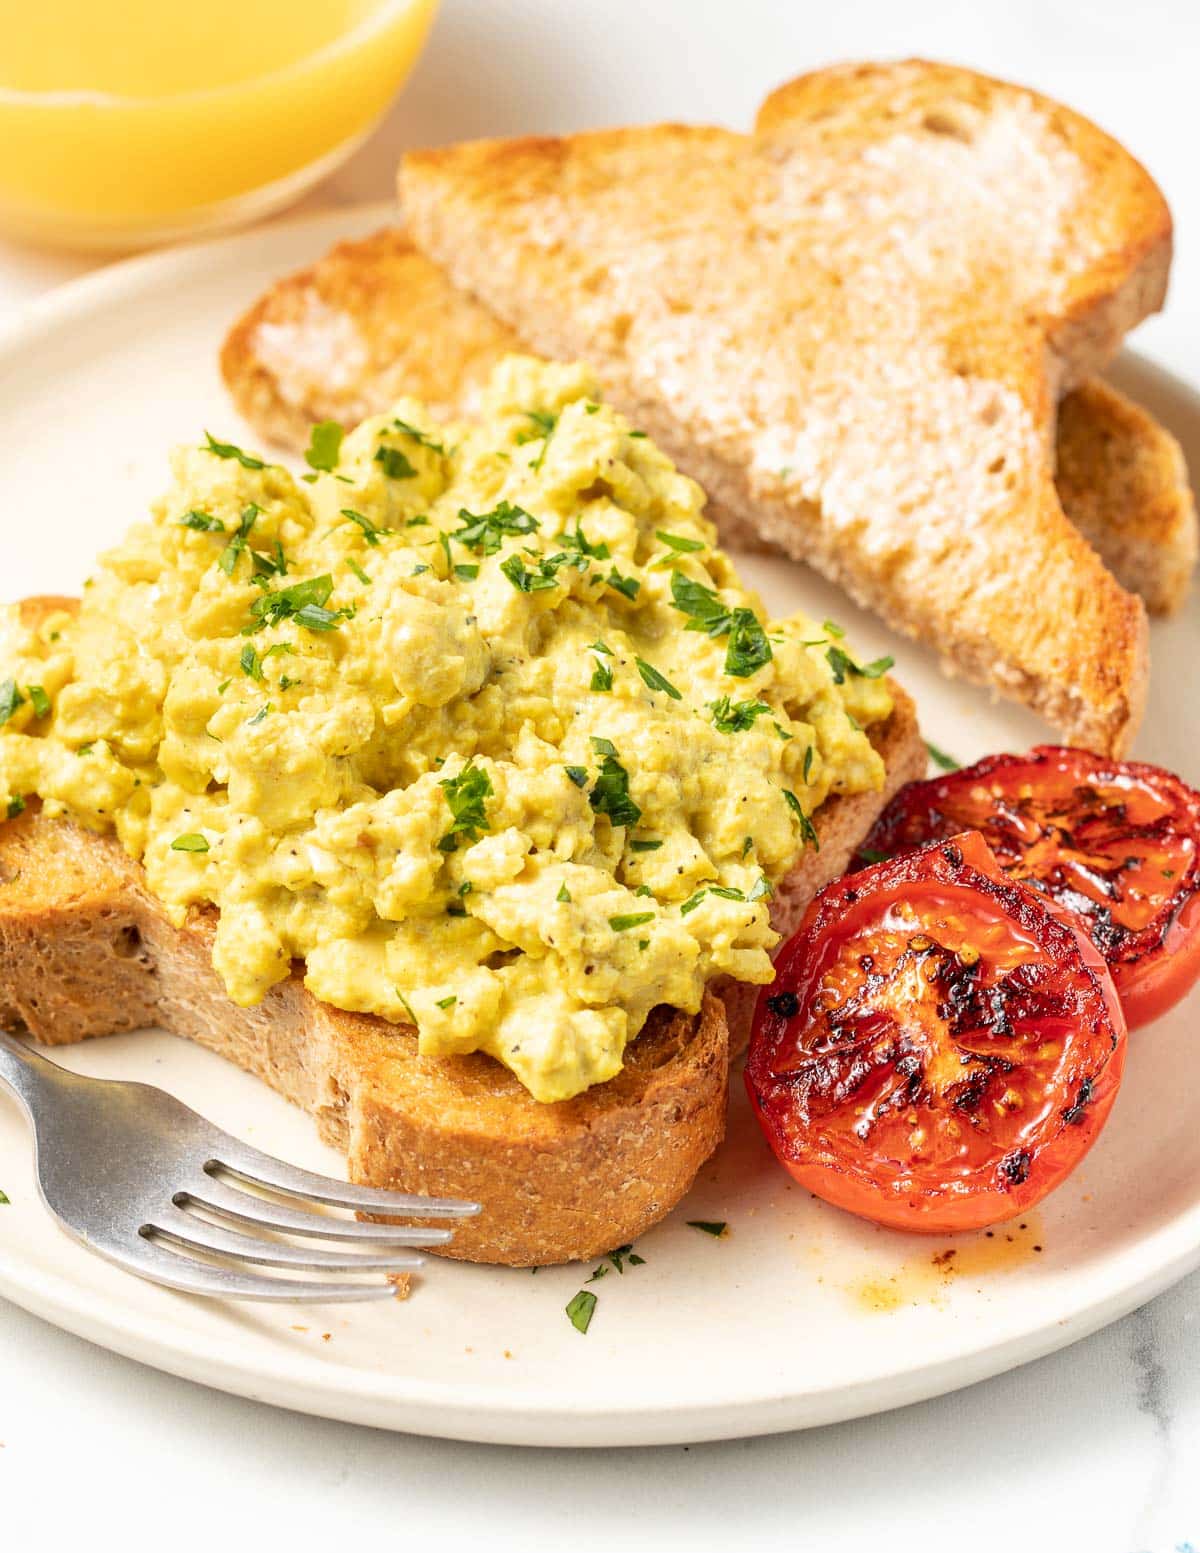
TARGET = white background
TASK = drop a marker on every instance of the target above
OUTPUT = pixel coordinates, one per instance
(1097, 1448)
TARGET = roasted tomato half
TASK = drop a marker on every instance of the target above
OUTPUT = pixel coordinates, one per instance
(1116, 842)
(940, 1046)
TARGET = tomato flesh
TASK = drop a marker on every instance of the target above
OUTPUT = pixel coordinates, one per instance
(1116, 842)
(938, 1050)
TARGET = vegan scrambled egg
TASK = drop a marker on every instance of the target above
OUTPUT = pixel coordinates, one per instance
(476, 721)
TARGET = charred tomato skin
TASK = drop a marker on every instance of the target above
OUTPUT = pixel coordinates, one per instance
(1117, 842)
(1047, 1037)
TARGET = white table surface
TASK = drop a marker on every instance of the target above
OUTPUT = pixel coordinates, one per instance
(1096, 1448)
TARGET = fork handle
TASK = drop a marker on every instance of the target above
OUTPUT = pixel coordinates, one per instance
(24, 1073)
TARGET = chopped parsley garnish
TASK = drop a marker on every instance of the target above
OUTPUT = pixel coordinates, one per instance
(251, 662)
(580, 1310)
(303, 602)
(466, 572)
(371, 531)
(396, 465)
(842, 664)
(602, 677)
(617, 1259)
(748, 647)
(644, 846)
(224, 686)
(599, 646)
(193, 841)
(484, 532)
(465, 795)
(656, 681)
(324, 446)
(831, 628)
(447, 1002)
(420, 521)
(622, 924)
(544, 424)
(286, 682)
(526, 580)
(274, 565)
(228, 450)
(678, 543)
(15, 806)
(579, 542)
(39, 700)
(714, 1227)
(635, 434)
(941, 760)
(261, 715)
(761, 889)
(202, 522)
(425, 440)
(808, 760)
(736, 716)
(577, 774)
(630, 587)
(610, 795)
(228, 558)
(807, 829)
(563, 893)
(747, 846)
(10, 699)
(358, 571)
(602, 746)
(4, 1200)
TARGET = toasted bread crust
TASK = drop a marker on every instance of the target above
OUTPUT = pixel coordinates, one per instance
(873, 404)
(86, 950)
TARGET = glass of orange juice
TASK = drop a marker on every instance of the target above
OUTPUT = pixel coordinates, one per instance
(130, 122)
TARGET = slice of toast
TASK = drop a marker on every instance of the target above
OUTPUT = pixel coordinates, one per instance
(852, 328)
(335, 341)
(86, 950)
(1123, 482)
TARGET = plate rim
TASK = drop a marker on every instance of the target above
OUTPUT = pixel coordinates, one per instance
(468, 1410)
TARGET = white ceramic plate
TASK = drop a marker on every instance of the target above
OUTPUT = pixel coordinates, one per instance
(800, 1315)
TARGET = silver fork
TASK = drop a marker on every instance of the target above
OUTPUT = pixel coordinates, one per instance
(134, 1175)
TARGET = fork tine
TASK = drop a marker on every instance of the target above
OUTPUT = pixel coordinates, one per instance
(187, 1232)
(227, 1202)
(163, 1264)
(239, 1159)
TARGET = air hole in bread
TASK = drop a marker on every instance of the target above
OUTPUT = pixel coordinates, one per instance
(938, 122)
(127, 943)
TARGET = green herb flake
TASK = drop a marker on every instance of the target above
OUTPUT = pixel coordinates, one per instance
(736, 716)
(564, 894)
(228, 450)
(748, 648)
(941, 760)
(842, 665)
(303, 602)
(761, 889)
(714, 1227)
(484, 532)
(466, 572)
(622, 924)
(610, 795)
(581, 1309)
(578, 541)
(396, 464)
(831, 628)
(371, 532)
(228, 558)
(808, 760)
(679, 543)
(419, 436)
(526, 580)
(656, 681)
(420, 521)
(4, 1201)
(261, 715)
(807, 829)
(629, 587)
(747, 846)
(577, 774)
(603, 746)
(602, 678)
(324, 446)
(39, 700)
(358, 571)
(15, 806)
(644, 846)
(202, 522)
(465, 796)
(447, 1002)
(11, 700)
(192, 841)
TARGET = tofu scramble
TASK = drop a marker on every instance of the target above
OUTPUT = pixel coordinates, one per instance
(474, 720)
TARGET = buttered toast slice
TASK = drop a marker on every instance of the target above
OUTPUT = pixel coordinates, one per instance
(852, 328)
(343, 338)
(85, 950)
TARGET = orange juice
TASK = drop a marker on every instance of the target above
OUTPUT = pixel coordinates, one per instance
(130, 121)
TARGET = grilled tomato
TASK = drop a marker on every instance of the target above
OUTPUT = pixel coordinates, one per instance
(940, 1046)
(1116, 842)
